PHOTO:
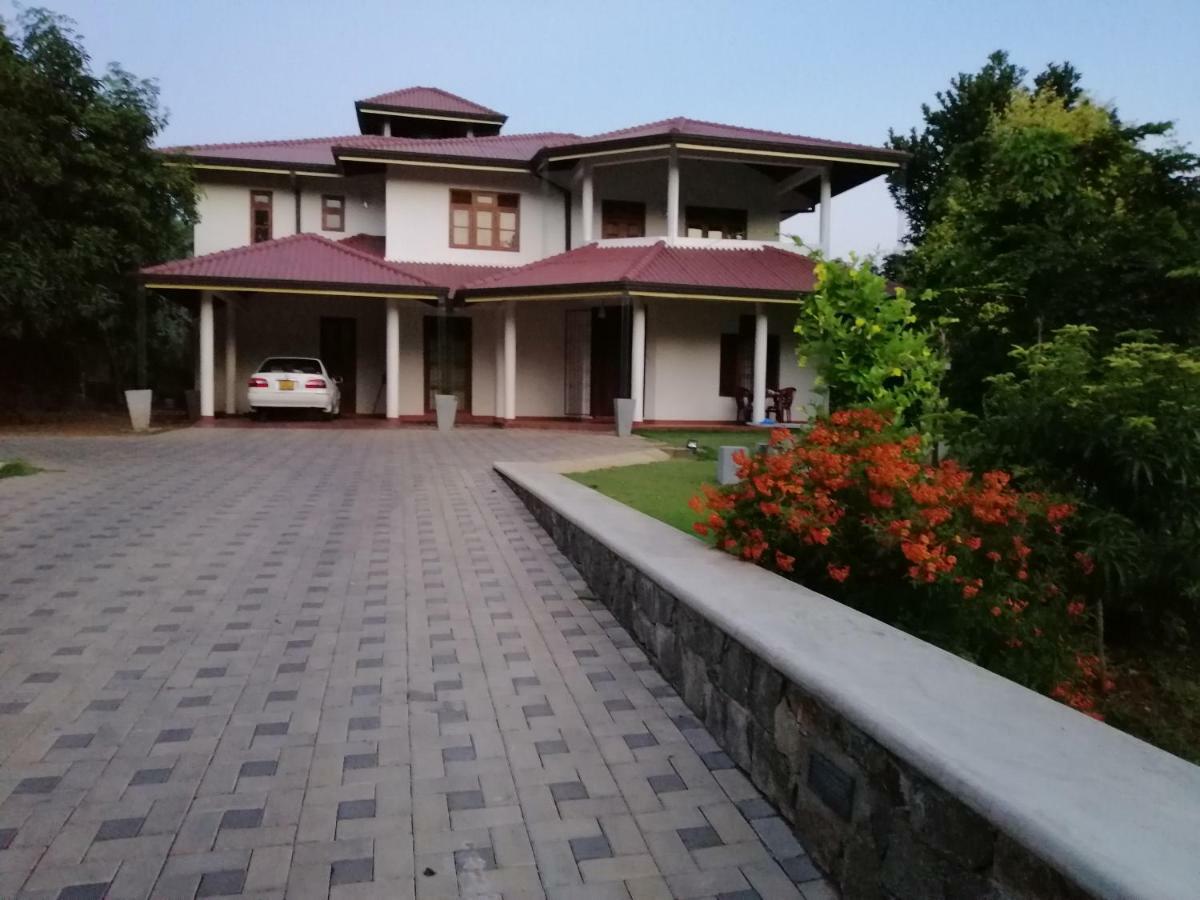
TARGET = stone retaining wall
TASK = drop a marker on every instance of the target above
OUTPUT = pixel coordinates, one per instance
(876, 825)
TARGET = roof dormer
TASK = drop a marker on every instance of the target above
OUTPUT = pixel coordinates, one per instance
(426, 112)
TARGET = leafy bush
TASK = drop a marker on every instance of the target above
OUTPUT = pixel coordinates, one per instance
(1121, 430)
(852, 508)
(862, 338)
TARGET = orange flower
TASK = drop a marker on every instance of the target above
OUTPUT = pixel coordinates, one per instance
(997, 611)
(783, 562)
(838, 573)
(700, 528)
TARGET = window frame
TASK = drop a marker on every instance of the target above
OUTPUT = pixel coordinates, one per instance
(269, 206)
(325, 211)
(473, 208)
(616, 215)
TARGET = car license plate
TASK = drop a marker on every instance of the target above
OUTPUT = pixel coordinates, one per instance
(286, 384)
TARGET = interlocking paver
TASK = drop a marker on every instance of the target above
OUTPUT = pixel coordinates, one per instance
(325, 662)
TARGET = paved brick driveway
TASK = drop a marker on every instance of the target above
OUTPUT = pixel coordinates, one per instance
(338, 664)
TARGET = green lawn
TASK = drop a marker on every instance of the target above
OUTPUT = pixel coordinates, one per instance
(709, 441)
(17, 467)
(660, 489)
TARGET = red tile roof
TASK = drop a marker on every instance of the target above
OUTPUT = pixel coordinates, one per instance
(302, 260)
(431, 99)
(448, 275)
(681, 126)
(766, 271)
(518, 149)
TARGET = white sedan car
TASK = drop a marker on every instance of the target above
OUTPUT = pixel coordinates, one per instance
(294, 382)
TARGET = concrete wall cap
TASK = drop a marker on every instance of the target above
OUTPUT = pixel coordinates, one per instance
(1112, 813)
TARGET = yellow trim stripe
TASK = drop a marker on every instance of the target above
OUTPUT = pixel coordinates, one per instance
(391, 112)
(282, 170)
(740, 299)
(436, 165)
(591, 153)
(789, 155)
(780, 154)
(662, 295)
(578, 296)
(165, 285)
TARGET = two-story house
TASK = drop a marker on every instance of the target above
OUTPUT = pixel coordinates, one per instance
(533, 275)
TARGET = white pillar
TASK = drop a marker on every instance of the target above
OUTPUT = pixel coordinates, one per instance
(387, 128)
(760, 363)
(826, 200)
(637, 357)
(207, 388)
(672, 195)
(587, 204)
(231, 383)
(392, 354)
(499, 374)
(510, 360)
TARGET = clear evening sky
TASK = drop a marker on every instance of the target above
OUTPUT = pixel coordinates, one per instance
(235, 70)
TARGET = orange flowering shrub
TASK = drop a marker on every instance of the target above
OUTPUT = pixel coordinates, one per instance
(852, 507)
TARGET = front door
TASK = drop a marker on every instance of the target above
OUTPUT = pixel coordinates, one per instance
(612, 328)
(339, 352)
(448, 360)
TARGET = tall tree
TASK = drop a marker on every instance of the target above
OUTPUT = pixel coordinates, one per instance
(1060, 214)
(961, 116)
(84, 198)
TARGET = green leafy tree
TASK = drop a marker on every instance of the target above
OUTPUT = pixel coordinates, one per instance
(1120, 429)
(961, 116)
(866, 344)
(1063, 215)
(84, 199)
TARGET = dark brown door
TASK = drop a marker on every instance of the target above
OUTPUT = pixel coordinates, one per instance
(448, 360)
(339, 352)
(622, 219)
(611, 333)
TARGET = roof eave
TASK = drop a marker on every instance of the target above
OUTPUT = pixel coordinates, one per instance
(361, 154)
(484, 119)
(163, 281)
(581, 290)
(233, 163)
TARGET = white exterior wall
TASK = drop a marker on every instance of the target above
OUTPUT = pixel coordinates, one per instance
(418, 217)
(683, 358)
(224, 209)
(701, 183)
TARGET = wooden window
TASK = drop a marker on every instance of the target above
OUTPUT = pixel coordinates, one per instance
(333, 213)
(622, 219)
(260, 216)
(485, 220)
(715, 222)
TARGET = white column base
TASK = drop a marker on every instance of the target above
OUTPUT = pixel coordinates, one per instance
(392, 355)
(760, 364)
(207, 388)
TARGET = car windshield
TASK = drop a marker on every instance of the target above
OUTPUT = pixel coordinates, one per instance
(291, 364)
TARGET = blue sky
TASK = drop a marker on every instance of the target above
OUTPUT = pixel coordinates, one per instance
(256, 69)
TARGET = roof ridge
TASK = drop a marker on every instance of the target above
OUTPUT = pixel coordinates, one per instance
(375, 98)
(653, 252)
(363, 255)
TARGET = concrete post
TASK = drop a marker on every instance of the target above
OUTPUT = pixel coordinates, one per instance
(826, 201)
(760, 363)
(510, 360)
(231, 383)
(392, 354)
(587, 203)
(637, 372)
(672, 195)
(499, 374)
(387, 128)
(207, 388)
